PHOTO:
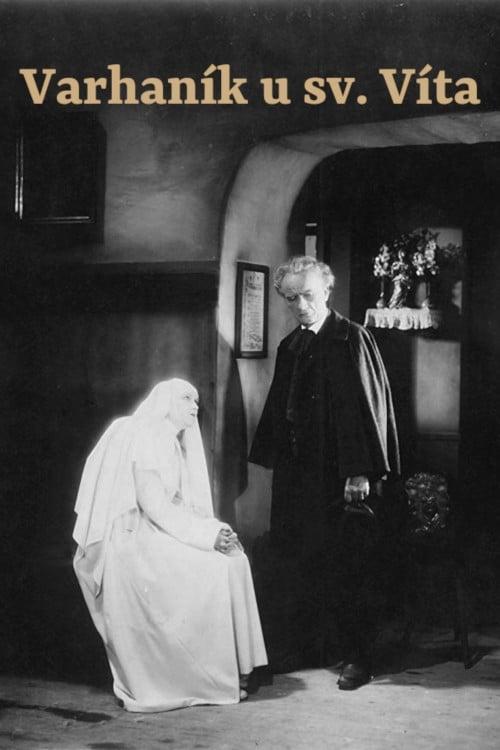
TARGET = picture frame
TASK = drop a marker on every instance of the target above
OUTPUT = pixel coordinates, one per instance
(252, 308)
(59, 170)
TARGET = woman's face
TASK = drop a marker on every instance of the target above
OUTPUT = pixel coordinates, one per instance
(184, 407)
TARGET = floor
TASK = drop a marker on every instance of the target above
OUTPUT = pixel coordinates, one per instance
(425, 700)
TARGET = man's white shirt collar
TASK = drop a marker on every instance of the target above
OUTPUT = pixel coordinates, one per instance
(316, 326)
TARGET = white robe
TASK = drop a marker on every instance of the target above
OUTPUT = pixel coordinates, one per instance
(179, 620)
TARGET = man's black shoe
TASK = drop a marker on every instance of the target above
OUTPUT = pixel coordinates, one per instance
(353, 676)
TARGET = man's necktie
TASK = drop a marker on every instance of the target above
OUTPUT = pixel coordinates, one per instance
(299, 346)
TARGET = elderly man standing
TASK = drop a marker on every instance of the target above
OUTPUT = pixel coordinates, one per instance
(328, 432)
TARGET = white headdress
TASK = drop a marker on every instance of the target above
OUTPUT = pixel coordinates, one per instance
(159, 404)
(107, 488)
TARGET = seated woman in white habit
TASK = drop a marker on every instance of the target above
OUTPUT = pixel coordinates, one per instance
(168, 586)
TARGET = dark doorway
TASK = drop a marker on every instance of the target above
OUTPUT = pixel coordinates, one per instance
(360, 199)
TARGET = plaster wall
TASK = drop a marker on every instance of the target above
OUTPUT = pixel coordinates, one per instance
(254, 230)
(166, 179)
(436, 372)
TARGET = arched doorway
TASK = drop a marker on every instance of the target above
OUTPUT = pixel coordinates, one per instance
(255, 229)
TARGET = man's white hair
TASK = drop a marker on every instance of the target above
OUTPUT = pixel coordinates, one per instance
(300, 264)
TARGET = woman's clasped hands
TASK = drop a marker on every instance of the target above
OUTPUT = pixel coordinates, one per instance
(227, 541)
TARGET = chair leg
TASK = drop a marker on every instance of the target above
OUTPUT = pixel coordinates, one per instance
(462, 617)
(323, 627)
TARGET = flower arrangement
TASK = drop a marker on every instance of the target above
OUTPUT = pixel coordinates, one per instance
(412, 257)
(382, 263)
(424, 259)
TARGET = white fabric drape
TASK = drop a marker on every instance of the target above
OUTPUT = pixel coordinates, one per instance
(179, 620)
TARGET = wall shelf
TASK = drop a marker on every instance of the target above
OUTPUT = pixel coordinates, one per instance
(403, 318)
(120, 286)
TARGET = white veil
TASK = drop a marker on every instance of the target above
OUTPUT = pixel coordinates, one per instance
(159, 404)
(107, 487)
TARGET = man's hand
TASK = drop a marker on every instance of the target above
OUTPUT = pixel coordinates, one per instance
(356, 489)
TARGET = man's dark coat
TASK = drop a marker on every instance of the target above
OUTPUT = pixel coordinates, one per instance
(344, 426)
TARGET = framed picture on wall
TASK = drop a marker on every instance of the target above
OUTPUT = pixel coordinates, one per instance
(252, 301)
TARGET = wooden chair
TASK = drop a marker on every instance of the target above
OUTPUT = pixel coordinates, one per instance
(432, 541)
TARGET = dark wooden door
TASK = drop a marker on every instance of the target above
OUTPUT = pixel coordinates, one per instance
(480, 398)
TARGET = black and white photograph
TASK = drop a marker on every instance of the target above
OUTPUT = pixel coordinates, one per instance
(250, 374)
